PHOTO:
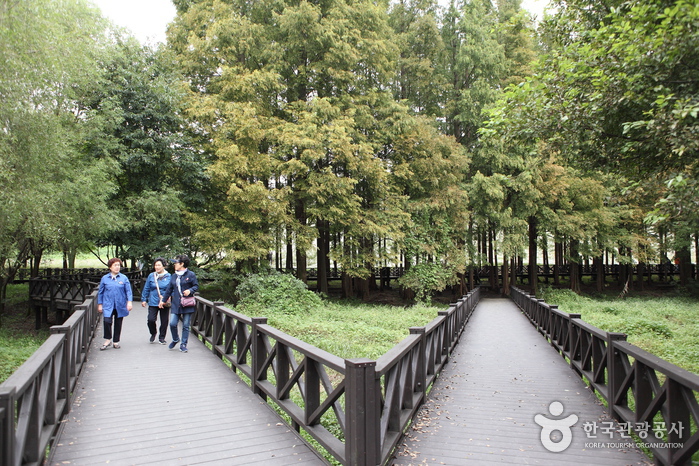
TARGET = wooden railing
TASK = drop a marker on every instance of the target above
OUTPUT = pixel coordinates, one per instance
(647, 394)
(34, 399)
(357, 409)
(59, 293)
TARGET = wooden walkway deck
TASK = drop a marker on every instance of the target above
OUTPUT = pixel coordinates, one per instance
(481, 409)
(144, 404)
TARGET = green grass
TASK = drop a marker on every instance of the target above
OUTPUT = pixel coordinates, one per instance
(668, 327)
(352, 329)
(18, 339)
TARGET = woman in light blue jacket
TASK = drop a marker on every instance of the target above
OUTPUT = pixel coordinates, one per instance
(114, 301)
(150, 296)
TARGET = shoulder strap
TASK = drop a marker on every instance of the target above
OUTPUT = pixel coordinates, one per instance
(157, 286)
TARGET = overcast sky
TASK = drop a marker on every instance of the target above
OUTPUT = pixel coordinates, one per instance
(148, 19)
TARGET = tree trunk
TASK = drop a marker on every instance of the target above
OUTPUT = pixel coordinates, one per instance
(323, 246)
(558, 262)
(493, 272)
(575, 284)
(289, 251)
(685, 257)
(640, 275)
(598, 264)
(346, 285)
(301, 260)
(533, 253)
(505, 277)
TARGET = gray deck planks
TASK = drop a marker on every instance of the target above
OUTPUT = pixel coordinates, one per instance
(146, 404)
(481, 409)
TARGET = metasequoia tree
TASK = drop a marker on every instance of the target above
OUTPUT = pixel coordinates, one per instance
(308, 140)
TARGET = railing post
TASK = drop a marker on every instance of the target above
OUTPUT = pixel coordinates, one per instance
(572, 338)
(217, 327)
(421, 369)
(553, 331)
(66, 364)
(446, 337)
(362, 405)
(679, 421)
(615, 371)
(7, 426)
(540, 303)
(258, 356)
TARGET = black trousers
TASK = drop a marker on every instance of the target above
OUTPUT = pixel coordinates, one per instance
(107, 325)
(153, 312)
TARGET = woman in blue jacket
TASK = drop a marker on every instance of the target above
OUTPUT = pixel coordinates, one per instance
(114, 301)
(182, 284)
(150, 296)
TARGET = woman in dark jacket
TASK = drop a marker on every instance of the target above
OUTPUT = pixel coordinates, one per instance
(182, 285)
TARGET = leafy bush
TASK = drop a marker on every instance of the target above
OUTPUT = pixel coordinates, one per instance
(275, 293)
(426, 278)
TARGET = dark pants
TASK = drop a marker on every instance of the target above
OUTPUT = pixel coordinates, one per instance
(153, 312)
(117, 327)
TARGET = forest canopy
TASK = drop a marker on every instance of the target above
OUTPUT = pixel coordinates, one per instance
(354, 135)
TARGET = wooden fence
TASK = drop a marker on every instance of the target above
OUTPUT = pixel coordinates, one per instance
(654, 398)
(369, 403)
(58, 293)
(36, 397)
(357, 409)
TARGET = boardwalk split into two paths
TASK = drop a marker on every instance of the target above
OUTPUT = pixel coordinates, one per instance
(481, 409)
(144, 404)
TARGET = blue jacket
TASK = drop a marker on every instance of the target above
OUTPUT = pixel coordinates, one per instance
(113, 294)
(188, 281)
(150, 291)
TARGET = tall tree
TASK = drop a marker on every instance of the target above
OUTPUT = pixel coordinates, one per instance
(134, 110)
(306, 136)
(51, 194)
(418, 80)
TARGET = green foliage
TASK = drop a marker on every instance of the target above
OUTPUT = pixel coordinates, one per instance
(134, 111)
(426, 278)
(15, 349)
(351, 329)
(17, 345)
(274, 293)
(52, 196)
(666, 327)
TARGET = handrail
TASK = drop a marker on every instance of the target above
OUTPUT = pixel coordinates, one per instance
(310, 385)
(372, 402)
(637, 386)
(38, 394)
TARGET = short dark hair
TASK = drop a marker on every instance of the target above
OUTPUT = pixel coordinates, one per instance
(184, 258)
(162, 260)
(114, 260)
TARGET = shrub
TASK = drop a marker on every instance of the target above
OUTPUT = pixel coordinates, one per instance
(426, 278)
(272, 293)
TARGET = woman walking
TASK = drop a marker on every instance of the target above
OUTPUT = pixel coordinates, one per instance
(114, 302)
(150, 296)
(182, 287)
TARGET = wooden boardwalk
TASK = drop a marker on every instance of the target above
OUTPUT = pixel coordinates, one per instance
(144, 404)
(481, 409)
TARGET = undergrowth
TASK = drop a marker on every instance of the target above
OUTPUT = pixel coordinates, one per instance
(665, 326)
